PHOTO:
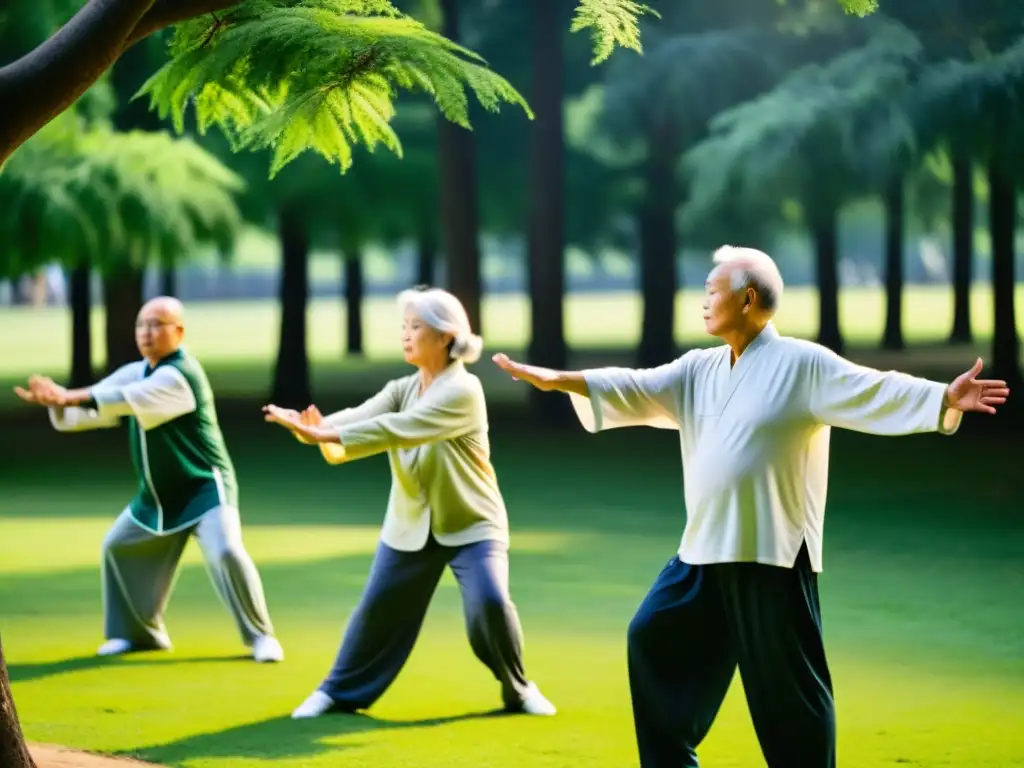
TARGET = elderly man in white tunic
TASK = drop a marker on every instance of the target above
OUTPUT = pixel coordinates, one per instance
(754, 417)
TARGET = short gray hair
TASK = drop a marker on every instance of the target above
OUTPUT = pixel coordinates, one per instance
(754, 269)
(444, 313)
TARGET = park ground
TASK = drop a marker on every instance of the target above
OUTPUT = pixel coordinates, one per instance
(920, 600)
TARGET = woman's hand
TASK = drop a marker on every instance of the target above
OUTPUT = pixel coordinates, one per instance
(299, 423)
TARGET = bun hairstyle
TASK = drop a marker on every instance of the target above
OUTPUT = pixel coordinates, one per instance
(444, 313)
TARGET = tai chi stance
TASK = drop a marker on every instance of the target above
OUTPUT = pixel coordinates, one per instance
(445, 509)
(754, 417)
(187, 488)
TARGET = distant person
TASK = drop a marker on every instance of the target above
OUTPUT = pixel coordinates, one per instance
(187, 488)
(754, 417)
(445, 509)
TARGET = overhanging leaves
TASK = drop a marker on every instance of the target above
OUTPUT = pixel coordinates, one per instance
(316, 75)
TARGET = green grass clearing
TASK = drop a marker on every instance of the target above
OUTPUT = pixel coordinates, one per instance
(920, 597)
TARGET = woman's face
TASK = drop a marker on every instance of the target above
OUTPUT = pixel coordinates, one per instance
(422, 345)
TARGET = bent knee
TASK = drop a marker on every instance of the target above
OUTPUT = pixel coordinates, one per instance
(490, 607)
(640, 629)
(231, 556)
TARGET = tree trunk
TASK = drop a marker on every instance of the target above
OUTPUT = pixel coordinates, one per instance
(963, 246)
(1002, 226)
(659, 247)
(80, 300)
(291, 388)
(459, 217)
(892, 338)
(13, 750)
(169, 281)
(354, 293)
(546, 234)
(122, 296)
(826, 247)
(426, 257)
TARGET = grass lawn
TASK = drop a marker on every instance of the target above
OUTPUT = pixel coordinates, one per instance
(921, 597)
(239, 333)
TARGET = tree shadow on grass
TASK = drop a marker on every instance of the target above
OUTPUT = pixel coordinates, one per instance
(281, 737)
(25, 672)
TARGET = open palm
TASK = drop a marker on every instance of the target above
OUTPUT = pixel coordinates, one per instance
(969, 393)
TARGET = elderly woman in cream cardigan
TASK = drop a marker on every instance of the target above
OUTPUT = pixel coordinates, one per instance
(445, 509)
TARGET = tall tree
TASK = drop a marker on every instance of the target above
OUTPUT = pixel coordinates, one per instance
(825, 135)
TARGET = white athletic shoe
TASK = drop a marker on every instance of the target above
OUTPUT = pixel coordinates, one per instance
(318, 703)
(534, 702)
(114, 647)
(267, 649)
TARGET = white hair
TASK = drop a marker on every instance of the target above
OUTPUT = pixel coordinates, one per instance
(444, 313)
(754, 269)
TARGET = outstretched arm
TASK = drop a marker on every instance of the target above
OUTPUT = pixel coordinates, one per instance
(76, 410)
(863, 399)
(618, 397)
(444, 416)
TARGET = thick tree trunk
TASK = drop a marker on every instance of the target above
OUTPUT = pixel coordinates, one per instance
(546, 238)
(459, 216)
(426, 257)
(1002, 227)
(659, 246)
(169, 281)
(963, 246)
(291, 388)
(80, 301)
(122, 296)
(826, 247)
(355, 290)
(892, 338)
(13, 750)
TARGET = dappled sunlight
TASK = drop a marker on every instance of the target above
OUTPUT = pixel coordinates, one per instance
(73, 542)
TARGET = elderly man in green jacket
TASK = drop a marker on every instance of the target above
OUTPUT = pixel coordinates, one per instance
(187, 488)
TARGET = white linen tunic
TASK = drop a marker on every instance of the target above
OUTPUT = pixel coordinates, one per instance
(755, 436)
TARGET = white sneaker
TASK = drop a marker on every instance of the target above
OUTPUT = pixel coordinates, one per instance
(267, 649)
(318, 703)
(114, 647)
(534, 702)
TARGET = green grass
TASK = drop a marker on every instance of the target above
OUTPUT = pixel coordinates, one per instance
(921, 600)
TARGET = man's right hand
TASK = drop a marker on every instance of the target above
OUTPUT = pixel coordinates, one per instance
(544, 379)
(42, 390)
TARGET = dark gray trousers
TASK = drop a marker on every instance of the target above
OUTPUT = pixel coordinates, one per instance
(698, 624)
(383, 628)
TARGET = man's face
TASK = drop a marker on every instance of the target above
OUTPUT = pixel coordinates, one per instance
(724, 307)
(158, 332)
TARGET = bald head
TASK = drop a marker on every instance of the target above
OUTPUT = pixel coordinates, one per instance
(160, 327)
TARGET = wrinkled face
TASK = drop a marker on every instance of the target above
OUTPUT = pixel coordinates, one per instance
(724, 308)
(158, 331)
(421, 344)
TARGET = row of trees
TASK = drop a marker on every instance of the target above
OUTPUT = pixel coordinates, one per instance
(282, 75)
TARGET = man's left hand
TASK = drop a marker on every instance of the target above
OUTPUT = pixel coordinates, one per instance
(969, 393)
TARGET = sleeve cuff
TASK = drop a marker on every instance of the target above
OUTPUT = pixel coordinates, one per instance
(949, 419)
(588, 409)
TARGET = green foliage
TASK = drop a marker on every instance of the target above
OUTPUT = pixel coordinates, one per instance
(100, 196)
(978, 104)
(316, 75)
(825, 133)
(611, 23)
